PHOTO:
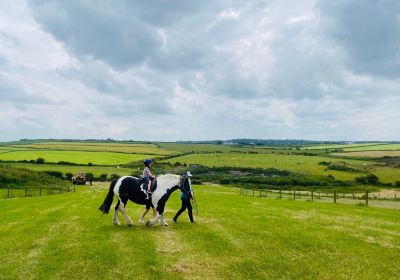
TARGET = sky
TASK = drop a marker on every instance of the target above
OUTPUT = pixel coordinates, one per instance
(167, 70)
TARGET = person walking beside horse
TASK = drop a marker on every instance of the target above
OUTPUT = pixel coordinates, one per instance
(186, 195)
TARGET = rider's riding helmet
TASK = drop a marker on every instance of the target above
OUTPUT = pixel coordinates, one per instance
(147, 162)
(188, 174)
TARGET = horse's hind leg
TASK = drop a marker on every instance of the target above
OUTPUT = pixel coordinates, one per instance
(127, 219)
(115, 220)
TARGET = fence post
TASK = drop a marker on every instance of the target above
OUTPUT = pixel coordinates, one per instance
(366, 198)
(280, 193)
(294, 194)
(8, 192)
(334, 196)
(312, 195)
(253, 191)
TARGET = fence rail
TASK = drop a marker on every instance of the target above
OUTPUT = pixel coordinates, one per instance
(30, 192)
(314, 195)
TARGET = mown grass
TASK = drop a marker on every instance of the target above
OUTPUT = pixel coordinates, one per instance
(100, 158)
(235, 237)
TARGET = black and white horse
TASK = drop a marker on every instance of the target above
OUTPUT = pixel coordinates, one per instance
(131, 188)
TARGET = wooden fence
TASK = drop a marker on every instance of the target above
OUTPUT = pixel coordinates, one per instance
(314, 195)
(30, 192)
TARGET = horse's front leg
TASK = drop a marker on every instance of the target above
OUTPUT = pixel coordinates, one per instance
(162, 221)
(153, 221)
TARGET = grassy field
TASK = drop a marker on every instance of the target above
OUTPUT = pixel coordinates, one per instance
(96, 170)
(235, 237)
(297, 163)
(360, 146)
(101, 158)
(211, 148)
(386, 147)
(150, 149)
(371, 154)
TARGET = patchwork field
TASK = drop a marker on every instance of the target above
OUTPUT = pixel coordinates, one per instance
(360, 146)
(235, 237)
(211, 148)
(149, 149)
(96, 170)
(101, 158)
(297, 163)
(372, 154)
(386, 147)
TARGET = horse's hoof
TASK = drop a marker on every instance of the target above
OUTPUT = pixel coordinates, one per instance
(130, 225)
(165, 224)
(141, 222)
(147, 224)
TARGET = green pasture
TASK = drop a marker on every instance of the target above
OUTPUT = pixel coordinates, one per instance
(296, 163)
(96, 170)
(212, 148)
(360, 146)
(370, 154)
(100, 158)
(235, 237)
(383, 147)
(150, 149)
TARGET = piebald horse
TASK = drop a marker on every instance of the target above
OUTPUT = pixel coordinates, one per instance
(131, 188)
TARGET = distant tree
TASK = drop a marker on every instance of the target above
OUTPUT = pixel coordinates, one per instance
(397, 184)
(372, 179)
(90, 164)
(40, 160)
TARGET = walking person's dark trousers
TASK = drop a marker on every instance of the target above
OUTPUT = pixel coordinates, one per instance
(185, 204)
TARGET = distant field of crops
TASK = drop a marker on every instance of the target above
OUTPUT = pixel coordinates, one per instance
(343, 146)
(386, 147)
(149, 149)
(96, 170)
(100, 158)
(210, 148)
(372, 154)
(297, 163)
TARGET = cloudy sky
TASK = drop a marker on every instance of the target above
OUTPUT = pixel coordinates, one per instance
(191, 70)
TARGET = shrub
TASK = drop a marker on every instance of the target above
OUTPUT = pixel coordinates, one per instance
(40, 160)
(69, 176)
(114, 176)
(397, 184)
(89, 176)
(103, 177)
(56, 174)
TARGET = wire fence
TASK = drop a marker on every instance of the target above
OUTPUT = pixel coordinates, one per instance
(12, 192)
(365, 198)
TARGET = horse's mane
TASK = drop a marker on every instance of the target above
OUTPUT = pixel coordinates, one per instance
(168, 175)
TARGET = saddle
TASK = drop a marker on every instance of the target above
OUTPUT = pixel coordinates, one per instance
(153, 184)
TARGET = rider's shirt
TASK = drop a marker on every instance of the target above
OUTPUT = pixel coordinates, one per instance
(146, 172)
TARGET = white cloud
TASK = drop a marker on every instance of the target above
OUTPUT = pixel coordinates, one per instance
(198, 70)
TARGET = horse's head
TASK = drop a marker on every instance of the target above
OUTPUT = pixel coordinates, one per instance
(185, 185)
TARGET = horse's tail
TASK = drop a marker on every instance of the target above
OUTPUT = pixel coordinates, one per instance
(105, 207)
